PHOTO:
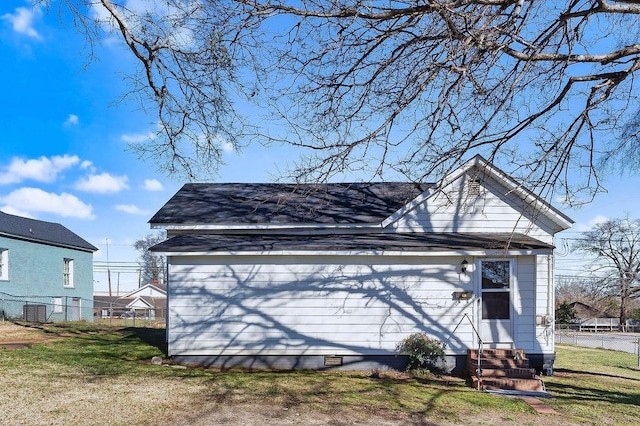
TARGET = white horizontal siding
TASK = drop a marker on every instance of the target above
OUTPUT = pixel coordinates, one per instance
(495, 210)
(544, 303)
(328, 305)
(525, 322)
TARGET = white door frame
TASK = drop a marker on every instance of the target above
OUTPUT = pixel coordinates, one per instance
(496, 332)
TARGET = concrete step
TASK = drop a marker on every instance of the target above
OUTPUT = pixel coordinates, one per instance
(509, 353)
(514, 373)
(509, 384)
(472, 364)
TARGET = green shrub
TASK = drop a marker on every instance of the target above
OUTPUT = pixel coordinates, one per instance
(424, 352)
(565, 314)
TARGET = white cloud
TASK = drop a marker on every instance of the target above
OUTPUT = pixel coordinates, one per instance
(35, 200)
(227, 146)
(583, 227)
(86, 164)
(137, 137)
(131, 209)
(12, 210)
(103, 183)
(42, 169)
(598, 220)
(181, 38)
(72, 120)
(152, 185)
(23, 19)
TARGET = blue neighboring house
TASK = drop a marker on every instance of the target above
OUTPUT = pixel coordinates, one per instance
(46, 271)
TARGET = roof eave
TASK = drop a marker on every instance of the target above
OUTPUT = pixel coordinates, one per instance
(49, 243)
(417, 253)
(259, 227)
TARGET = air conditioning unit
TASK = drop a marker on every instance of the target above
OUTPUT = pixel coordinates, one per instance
(34, 313)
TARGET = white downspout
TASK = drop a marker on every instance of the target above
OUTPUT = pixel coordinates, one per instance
(550, 325)
(550, 288)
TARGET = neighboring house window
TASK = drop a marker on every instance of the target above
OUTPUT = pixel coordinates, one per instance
(57, 305)
(67, 273)
(4, 264)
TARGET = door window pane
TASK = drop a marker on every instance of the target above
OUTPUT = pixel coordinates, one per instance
(495, 305)
(495, 274)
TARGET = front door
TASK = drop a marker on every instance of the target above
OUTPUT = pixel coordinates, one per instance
(496, 285)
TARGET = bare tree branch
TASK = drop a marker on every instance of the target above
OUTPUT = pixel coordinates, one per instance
(413, 87)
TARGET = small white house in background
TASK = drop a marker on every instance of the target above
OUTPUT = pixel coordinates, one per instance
(318, 276)
(148, 301)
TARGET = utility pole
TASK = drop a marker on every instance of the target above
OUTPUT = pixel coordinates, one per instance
(108, 268)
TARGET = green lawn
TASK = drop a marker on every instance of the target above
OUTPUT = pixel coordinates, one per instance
(111, 365)
(596, 386)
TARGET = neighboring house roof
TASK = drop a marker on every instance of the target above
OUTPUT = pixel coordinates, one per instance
(270, 203)
(409, 242)
(148, 290)
(107, 301)
(41, 232)
(583, 310)
(142, 303)
(128, 301)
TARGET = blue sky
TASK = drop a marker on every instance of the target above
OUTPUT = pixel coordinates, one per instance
(63, 149)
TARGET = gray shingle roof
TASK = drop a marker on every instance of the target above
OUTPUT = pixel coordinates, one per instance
(348, 242)
(265, 203)
(42, 232)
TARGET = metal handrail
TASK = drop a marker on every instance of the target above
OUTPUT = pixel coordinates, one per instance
(480, 344)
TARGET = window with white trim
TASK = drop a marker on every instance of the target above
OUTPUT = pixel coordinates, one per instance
(57, 305)
(4, 263)
(67, 273)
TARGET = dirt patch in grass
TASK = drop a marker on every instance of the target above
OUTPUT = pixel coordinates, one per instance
(14, 335)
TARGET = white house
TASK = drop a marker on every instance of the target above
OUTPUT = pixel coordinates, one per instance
(315, 276)
(148, 301)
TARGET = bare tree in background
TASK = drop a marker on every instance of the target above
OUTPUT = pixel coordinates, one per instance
(545, 89)
(616, 243)
(594, 291)
(152, 265)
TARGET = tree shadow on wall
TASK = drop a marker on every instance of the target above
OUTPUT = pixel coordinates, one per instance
(253, 311)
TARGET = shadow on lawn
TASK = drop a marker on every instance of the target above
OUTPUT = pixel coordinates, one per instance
(584, 393)
(574, 373)
(152, 336)
(580, 391)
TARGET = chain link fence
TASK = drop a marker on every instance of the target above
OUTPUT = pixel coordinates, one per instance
(627, 341)
(44, 309)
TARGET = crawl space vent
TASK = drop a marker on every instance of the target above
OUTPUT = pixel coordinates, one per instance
(332, 361)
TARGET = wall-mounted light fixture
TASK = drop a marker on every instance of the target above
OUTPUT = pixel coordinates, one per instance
(463, 266)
